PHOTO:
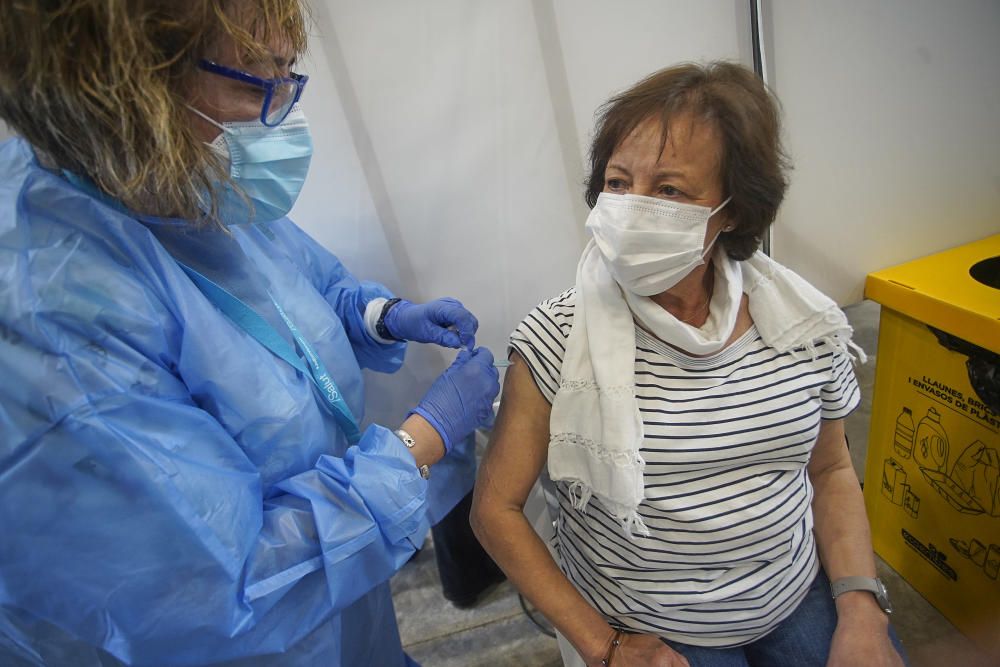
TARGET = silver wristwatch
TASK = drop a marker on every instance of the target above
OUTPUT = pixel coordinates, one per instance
(873, 586)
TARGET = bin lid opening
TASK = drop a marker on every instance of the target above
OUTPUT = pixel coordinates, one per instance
(987, 272)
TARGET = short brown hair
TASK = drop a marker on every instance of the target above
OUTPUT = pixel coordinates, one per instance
(745, 113)
(97, 87)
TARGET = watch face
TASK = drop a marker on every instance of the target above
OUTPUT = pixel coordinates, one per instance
(883, 597)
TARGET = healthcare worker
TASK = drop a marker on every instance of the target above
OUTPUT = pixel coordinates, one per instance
(183, 480)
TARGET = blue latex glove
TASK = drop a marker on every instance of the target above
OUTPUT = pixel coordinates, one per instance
(442, 321)
(461, 399)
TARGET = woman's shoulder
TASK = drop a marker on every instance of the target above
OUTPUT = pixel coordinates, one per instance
(563, 303)
(93, 272)
(541, 339)
(554, 315)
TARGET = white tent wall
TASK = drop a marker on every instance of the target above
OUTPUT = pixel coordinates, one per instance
(450, 143)
(451, 137)
(892, 113)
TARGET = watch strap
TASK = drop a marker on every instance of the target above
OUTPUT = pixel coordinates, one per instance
(870, 584)
(380, 327)
(845, 584)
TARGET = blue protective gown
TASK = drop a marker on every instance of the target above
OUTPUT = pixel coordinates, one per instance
(172, 493)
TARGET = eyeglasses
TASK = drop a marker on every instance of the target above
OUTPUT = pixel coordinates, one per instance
(280, 93)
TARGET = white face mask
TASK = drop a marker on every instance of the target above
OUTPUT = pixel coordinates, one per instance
(649, 244)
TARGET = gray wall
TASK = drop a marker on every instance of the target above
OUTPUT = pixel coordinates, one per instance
(450, 141)
(892, 112)
(451, 136)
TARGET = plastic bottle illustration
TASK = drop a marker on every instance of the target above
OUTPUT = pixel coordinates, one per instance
(930, 448)
(903, 443)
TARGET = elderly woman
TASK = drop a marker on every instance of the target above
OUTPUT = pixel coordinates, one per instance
(688, 395)
(183, 477)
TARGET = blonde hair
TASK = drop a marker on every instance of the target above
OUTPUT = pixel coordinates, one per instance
(98, 87)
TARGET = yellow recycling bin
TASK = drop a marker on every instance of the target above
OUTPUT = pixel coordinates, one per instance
(932, 478)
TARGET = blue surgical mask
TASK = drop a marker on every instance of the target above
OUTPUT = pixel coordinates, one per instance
(269, 163)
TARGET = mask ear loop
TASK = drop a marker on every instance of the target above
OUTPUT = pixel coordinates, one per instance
(717, 208)
(217, 123)
(708, 250)
(220, 148)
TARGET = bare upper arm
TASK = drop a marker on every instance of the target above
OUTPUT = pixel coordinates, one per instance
(520, 442)
(830, 451)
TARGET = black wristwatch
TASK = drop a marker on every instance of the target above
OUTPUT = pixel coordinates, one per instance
(380, 327)
(873, 586)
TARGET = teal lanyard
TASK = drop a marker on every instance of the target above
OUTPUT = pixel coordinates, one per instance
(258, 328)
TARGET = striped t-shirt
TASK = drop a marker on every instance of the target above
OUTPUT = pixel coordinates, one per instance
(727, 438)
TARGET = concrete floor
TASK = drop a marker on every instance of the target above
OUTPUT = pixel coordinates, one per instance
(497, 633)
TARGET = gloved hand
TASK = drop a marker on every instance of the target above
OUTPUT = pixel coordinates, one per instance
(461, 399)
(431, 322)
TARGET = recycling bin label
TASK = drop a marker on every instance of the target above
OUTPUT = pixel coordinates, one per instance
(932, 478)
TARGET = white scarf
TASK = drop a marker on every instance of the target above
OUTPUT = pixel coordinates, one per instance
(595, 426)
